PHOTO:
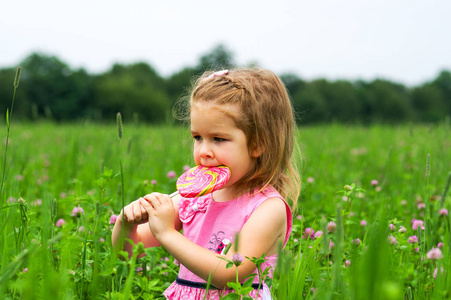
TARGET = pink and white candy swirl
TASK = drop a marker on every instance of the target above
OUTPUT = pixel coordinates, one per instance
(201, 180)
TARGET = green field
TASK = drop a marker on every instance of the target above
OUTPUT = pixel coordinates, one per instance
(53, 168)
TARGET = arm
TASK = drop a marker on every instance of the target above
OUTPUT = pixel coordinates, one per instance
(261, 234)
(132, 224)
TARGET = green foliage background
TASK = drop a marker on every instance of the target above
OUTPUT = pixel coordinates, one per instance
(51, 89)
(70, 165)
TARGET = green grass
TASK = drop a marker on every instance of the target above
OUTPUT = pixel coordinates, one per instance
(52, 168)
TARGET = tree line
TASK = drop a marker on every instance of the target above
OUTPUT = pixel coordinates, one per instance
(50, 89)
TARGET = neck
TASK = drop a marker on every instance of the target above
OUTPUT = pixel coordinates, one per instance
(225, 194)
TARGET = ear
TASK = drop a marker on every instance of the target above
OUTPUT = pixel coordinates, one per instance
(258, 151)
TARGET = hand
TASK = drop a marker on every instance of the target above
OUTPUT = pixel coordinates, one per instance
(161, 212)
(134, 213)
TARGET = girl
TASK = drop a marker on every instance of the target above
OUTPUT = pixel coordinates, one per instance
(242, 119)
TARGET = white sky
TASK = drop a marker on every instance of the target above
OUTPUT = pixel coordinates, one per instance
(407, 41)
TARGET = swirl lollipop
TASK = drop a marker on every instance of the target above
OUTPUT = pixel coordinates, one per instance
(201, 180)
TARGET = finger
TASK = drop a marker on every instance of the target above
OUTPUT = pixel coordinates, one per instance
(143, 211)
(144, 215)
(167, 199)
(153, 199)
(146, 205)
(163, 199)
(127, 213)
(136, 212)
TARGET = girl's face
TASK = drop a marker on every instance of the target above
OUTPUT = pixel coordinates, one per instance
(217, 141)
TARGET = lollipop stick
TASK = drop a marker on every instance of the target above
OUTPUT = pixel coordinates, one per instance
(174, 194)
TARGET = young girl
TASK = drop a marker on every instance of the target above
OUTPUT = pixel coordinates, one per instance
(242, 119)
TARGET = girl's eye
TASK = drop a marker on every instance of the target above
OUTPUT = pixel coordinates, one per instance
(197, 138)
(217, 139)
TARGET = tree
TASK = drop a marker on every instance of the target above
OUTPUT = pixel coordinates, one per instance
(323, 101)
(428, 103)
(343, 104)
(52, 88)
(180, 83)
(134, 90)
(292, 82)
(6, 90)
(443, 82)
(384, 101)
(218, 58)
(310, 104)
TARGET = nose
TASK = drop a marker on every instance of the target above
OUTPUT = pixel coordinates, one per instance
(206, 151)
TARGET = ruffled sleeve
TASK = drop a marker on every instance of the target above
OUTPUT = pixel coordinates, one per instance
(189, 207)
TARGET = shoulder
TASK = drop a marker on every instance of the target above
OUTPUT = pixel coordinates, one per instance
(273, 208)
(270, 200)
(267, 226)
(270, 214)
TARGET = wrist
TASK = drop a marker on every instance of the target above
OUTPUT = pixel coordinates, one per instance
(166, 236)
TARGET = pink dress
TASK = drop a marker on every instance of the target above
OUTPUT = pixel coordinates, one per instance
(213, 225)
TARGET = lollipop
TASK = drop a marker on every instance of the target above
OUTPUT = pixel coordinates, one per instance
(201, 180)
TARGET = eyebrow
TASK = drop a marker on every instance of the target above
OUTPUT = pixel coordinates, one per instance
(217, 133)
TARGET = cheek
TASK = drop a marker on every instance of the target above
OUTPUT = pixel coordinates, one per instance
(196, 155)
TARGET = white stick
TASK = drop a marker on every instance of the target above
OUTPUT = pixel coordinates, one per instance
(176, 193)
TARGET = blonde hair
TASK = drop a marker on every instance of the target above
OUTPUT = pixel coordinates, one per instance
(266, 118)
